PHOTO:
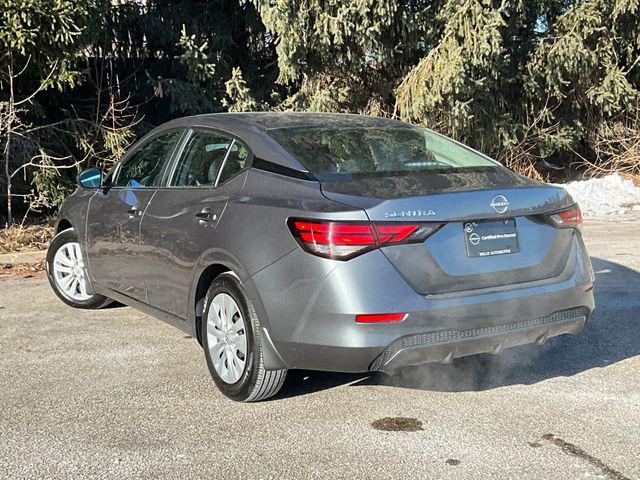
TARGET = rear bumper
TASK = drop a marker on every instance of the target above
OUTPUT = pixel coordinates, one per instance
(445, 345)
(309, 306)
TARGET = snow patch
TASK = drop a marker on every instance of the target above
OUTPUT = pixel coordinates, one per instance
(610, 195)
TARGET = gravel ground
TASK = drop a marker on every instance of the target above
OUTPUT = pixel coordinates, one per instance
(117, 394)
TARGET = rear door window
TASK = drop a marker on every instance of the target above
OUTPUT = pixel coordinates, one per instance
(236, 161)
(201, 159)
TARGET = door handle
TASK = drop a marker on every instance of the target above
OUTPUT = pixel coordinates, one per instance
(205, 216)
(134, 211)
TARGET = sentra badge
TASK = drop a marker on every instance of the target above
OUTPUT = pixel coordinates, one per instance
(409, 213)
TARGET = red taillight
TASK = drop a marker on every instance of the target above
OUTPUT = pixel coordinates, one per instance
(336, 233)
(571, 217)
(394, 233)
(380, 318)
(344, 240)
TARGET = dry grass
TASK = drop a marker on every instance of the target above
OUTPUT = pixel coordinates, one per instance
(22, 238)
(24, 270)
(617, 146)
(635, 178)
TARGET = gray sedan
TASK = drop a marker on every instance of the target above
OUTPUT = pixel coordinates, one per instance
(323, 241)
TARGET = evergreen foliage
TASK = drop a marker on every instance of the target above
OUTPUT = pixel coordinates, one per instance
(549, 87)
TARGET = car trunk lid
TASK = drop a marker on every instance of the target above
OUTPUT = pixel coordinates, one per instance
(492, 203)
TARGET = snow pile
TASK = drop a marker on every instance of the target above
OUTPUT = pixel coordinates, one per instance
(610, 195)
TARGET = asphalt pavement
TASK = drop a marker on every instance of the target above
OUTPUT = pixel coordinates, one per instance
(117, 394)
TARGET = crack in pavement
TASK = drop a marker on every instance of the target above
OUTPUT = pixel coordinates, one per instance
(571, 449)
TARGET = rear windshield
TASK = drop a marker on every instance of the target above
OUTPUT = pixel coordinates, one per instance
(344, 150)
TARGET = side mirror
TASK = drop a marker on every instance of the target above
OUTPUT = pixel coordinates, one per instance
(91, 178)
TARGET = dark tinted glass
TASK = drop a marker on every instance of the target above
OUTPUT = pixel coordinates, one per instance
(201, 160)
(236, 161)
(143, 167)
(335, 150)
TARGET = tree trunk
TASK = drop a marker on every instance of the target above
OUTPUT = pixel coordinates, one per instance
(7, 146)
(7, 157)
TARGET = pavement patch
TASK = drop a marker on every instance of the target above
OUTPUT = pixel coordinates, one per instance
(397, 424)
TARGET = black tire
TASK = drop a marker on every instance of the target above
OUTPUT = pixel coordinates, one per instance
(255, 383)
(60, 240)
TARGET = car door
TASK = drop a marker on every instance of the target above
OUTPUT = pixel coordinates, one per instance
(114, 214)
(180, 221)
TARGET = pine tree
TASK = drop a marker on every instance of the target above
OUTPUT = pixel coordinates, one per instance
(343, 56)
(40, 44)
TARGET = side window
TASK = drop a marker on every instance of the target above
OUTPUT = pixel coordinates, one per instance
(145, 164)
(236, 161)
(201, 160)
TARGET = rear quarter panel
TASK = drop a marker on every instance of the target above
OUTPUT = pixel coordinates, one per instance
(252, 232)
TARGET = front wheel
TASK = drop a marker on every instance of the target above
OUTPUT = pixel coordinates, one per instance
(233, 345)
(67, 273)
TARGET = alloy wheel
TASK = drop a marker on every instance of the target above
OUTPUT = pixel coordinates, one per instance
(226, 338)
(70, 274)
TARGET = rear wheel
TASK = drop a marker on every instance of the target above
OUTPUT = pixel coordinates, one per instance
(68, 275)
(233, 346)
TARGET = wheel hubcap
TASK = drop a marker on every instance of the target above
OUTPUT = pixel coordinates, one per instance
(69, 272)
(226, 338)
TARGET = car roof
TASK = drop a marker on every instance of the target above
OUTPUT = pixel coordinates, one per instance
(253, 127)
(273, 120)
